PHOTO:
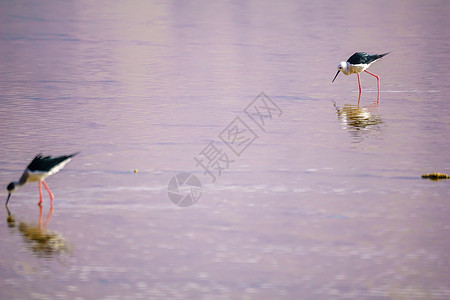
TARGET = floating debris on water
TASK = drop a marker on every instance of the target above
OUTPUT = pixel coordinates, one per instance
(136, 170)
(436, 176)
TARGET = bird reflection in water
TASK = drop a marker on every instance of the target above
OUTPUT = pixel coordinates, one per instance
(359, 120)
(43, 242)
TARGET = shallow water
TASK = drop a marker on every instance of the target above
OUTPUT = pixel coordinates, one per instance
(325, 201)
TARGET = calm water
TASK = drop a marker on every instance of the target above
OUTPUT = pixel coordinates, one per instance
(325, 203)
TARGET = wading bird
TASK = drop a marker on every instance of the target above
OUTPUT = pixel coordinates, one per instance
(38, 170)
(357, 63)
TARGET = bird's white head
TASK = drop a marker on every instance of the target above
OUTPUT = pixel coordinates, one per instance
(342, 67)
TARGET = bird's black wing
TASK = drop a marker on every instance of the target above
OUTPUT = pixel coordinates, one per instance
(358, 58)
(364, 58)
(40, 163)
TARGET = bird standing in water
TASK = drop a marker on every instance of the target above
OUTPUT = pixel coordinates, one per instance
(38, 170)
(358, 63)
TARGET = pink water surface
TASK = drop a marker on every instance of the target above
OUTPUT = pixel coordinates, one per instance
(326, 203)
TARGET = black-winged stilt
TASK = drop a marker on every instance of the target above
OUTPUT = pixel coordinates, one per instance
(357, 63)
(40, 168)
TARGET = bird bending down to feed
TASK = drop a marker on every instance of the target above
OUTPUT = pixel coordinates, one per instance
(357, 63)
(38, 170)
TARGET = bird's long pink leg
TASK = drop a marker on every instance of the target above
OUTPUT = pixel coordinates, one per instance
(378, 82)
(40, 216)
(49, 192)
(359, 84)
(40, 193)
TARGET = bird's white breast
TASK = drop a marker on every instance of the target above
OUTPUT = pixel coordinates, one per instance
(357, 68)
(37, 176)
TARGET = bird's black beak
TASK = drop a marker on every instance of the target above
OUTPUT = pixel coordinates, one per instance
(336, 75)
(7, 200)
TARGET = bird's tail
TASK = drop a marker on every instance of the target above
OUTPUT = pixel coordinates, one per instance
(381, 55)
(73, 154)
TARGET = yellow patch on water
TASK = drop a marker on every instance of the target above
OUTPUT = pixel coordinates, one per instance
(436, 176)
